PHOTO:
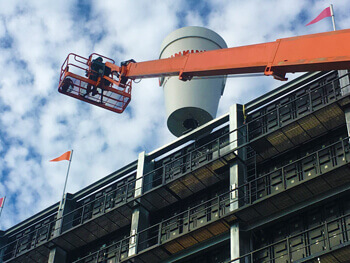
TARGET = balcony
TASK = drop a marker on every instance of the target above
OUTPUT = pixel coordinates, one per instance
(213, 217)
(111, 208)
(307, 177)
(183, 174)
(312, 110)
(195, 225)
(318, 172)
(31, 239)
(329, 241)
(98, 215)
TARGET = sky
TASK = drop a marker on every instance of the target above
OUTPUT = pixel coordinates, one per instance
(38, 124)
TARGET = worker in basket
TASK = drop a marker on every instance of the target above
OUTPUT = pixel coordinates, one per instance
(98, 69)
(67, 85)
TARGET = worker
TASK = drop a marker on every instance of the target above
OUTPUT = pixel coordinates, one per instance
(98, 68)
(66, 84)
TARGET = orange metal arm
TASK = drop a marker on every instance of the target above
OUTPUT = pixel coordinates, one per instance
(317, 52)
(112, 88)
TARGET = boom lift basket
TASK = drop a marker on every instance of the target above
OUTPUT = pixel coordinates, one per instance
(90, 80)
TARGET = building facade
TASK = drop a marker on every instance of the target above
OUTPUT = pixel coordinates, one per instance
(267, 182)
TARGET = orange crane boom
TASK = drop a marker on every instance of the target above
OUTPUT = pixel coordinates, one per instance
(316, 52)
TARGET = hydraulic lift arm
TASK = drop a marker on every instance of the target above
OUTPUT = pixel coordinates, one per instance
(317, 52)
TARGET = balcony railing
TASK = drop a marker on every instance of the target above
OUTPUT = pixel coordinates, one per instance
(313, 242)
(302, 169)
(294, 106)
(216, 208)
(28, 240)
(183, 223)
(312, 165)
(87, 212)
(106, 203)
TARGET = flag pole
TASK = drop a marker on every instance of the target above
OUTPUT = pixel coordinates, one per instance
(65, 183)
(2, 207)
(332, 14)
(344, 82)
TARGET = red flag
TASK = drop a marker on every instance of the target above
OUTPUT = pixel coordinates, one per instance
(325, 13)
(65, 156)
(2, 201)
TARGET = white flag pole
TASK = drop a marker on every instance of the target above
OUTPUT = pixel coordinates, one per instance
(343, 79)
(332, 14)
(65, 183)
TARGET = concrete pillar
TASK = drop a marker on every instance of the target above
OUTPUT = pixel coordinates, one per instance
(345, 91)
(344, 82)
(237, 137)
(237, 174)
(3, 242)
(139, 174)
(57, 255)
(64, 221)
(139, 222)
(140, 216)
(234, 241)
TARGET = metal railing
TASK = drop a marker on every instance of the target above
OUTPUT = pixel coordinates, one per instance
(30, 239)
(248, 194)
(325, 97)
(108, 202)
(310, 246)
(338, 154)
(75, 218)
(157, 234)
(211, 210)
(191, 161)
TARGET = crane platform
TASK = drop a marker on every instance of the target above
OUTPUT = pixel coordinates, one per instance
(91, 81)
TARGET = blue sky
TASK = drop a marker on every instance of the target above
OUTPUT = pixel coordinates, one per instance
(38, 124)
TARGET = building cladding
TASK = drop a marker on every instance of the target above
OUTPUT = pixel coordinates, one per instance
(267, 182)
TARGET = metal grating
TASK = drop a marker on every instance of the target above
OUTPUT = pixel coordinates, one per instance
(279, 141)
(299, 131)
(39, 255)
(196, 237)
(94, 229)
(183, 186)
(180, 189)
